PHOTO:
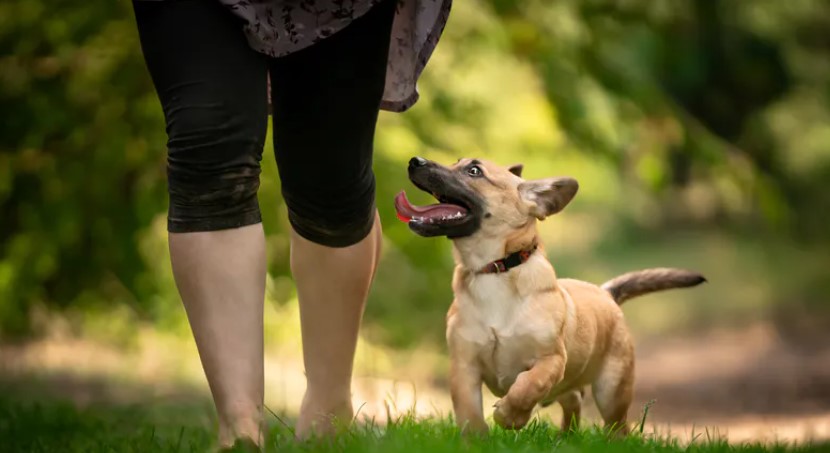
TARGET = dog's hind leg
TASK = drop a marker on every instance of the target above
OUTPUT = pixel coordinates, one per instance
(613, 390)
(571, 403)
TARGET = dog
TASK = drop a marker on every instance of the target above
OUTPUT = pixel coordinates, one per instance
(531, 338)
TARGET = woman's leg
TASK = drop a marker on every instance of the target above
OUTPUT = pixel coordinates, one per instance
(325, 104)
(212, 88)
(221, 279)
(332, 284)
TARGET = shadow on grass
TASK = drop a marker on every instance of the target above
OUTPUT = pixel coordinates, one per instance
(48, 425)
(66, 412)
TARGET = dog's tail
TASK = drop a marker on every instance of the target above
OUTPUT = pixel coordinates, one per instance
(637, 283)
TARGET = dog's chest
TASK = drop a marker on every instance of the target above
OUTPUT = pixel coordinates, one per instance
(497, 304)
(506, 330)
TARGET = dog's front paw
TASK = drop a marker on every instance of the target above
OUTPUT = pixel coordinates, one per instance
(510, 417)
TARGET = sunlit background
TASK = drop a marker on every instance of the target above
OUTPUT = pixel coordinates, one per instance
(699, 131)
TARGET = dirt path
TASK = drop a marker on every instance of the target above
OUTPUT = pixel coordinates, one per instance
(751, 384)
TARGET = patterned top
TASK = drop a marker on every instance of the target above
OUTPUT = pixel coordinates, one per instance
(279, 27)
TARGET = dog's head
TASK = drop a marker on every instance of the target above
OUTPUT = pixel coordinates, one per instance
(479, 198)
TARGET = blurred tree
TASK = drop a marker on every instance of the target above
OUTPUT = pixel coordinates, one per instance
(81, 168)
(710, 70)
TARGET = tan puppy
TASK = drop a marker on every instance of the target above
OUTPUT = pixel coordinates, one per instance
(530, 337)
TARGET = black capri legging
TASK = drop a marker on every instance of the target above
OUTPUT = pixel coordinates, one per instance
(213, 90)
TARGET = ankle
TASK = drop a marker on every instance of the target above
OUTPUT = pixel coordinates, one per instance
(329, 399)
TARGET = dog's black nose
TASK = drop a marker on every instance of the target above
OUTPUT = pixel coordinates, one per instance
(417, 162)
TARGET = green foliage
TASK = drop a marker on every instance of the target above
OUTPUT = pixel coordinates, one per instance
(711, 114)
(81, 158)
(692, 92)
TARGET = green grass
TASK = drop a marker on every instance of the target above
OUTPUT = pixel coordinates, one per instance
(62, 427)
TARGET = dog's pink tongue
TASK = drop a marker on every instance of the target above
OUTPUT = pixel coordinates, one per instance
(441, 211)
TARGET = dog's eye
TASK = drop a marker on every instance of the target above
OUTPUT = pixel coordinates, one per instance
(474, 171)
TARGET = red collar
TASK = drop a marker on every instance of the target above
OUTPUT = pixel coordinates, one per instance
(508, 262)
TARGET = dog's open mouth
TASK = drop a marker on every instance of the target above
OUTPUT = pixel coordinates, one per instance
(458, 211)
(447, 212)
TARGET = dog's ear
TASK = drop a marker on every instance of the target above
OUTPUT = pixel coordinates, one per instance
(516, 169)
(548, 196)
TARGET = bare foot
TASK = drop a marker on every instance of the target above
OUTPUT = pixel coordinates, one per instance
(242, 445)
(323, 418)
(244, 431)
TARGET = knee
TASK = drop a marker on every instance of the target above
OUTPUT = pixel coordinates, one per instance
(213, 168)
(212, 200)
(333, 216)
